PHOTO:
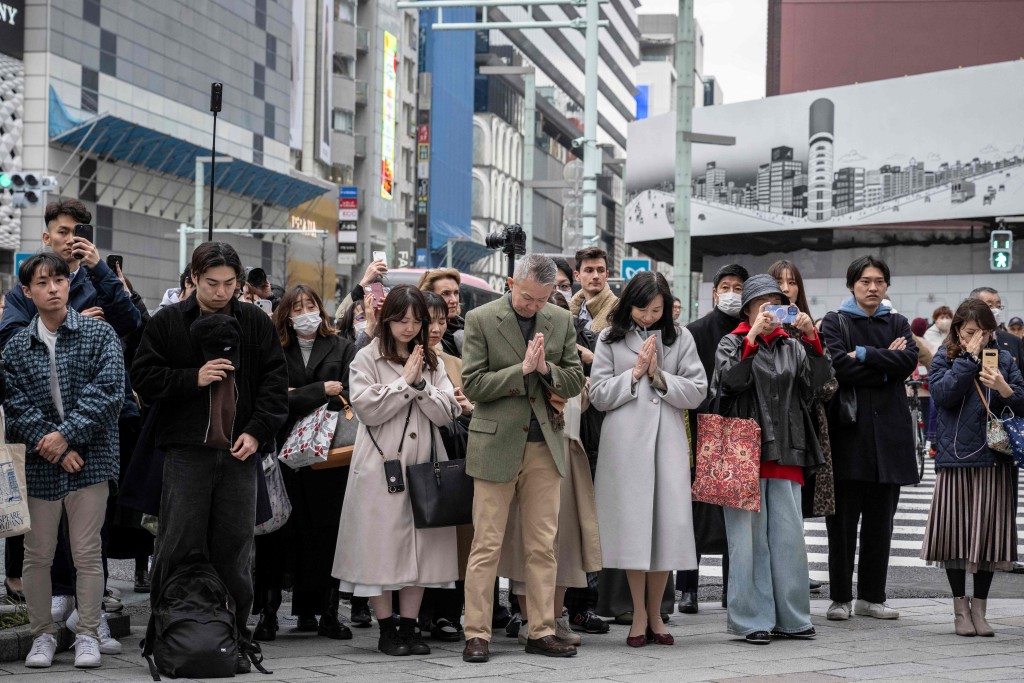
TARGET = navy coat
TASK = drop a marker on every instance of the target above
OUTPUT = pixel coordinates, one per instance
(960, 413)
(879, 447)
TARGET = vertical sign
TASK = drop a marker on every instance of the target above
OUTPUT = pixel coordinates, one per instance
(348, 214)
(326, 68)
(388, 116)
(298, 74)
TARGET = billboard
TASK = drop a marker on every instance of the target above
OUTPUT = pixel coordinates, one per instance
(388, 116)
(944, 145)
(12, 28)
(325, 67)
(298, 74)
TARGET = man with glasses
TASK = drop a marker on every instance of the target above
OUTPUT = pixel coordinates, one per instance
(1006, 340)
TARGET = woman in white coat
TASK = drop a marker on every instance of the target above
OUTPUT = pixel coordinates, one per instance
(646, 373)
(399, 391)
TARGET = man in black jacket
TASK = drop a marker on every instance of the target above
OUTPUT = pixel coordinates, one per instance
(873, 353)
(217, 367)
(708, 331)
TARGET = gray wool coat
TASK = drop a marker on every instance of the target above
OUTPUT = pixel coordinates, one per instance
(642, 484)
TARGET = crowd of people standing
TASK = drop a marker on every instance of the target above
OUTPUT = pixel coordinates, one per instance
(181, 415)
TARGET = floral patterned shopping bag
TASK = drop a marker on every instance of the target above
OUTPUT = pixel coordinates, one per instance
(728, 462)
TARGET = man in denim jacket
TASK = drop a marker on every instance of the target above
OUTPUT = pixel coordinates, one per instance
(65, 387)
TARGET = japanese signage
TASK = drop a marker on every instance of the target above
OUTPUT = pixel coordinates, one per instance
(388, 116)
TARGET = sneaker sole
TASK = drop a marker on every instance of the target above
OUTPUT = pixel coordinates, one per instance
(90, 665)
(873, 616)
(38, 666)
(837, 617)
(793, 636)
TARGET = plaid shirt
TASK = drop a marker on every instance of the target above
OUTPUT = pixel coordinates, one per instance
(90, 372)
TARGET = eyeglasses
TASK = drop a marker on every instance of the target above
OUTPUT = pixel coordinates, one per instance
(563, 288)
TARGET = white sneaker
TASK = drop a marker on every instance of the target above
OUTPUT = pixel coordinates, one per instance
(564, 633)
(87, 652)
(838, 611)
(61, 607)
(108, 644)
(112, 600)
(878, 610)
(41, 654)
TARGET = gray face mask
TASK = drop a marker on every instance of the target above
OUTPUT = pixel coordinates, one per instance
(730, 304)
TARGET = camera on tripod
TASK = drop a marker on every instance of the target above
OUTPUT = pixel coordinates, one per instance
(511, 240)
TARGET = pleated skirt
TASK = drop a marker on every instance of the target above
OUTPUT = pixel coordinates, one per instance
(971, 524)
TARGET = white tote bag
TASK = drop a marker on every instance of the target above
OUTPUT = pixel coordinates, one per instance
(14, 519)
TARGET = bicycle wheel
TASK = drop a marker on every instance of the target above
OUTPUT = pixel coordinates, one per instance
(922, 448)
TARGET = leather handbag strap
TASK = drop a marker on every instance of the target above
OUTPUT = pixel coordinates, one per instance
(980, 393)
(400, 443)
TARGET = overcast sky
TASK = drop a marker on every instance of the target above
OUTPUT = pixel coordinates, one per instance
(735, 42)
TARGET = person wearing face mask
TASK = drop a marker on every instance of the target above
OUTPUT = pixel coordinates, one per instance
(707, 332)
(646, 372)
(1004, 340)
(764, 373)
(971, 525)
(318, 365)
(352, 322)
(935, 335)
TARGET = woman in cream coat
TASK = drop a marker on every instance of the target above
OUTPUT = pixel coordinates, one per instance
(646, 373)
(379, 550)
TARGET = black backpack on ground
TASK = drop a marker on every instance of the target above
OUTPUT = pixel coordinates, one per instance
(191, 631)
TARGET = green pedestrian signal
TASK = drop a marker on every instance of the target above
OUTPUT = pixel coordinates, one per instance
(5, 181)
(1000, 250)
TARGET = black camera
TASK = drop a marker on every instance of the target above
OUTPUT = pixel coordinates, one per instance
(511, 240)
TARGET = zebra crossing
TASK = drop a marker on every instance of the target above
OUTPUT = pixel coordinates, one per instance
(908, 534)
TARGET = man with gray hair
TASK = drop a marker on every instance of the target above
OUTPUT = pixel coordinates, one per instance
(519, 366)
(1004, 340)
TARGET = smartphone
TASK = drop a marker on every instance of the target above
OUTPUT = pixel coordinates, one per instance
(377, 289)
(784, 315)
(114, 261)
(381, 256)
(990, 359)
(85, 232)
(393, 476)
(266, 304)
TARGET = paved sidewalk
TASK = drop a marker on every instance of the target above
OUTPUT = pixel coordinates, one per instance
(920, 646)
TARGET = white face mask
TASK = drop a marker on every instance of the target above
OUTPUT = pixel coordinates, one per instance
(307, 323)
(943, 324)
(359, 327)
(729, 303)
(998, 313)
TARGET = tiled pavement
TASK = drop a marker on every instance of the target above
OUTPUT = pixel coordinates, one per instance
(920, 646)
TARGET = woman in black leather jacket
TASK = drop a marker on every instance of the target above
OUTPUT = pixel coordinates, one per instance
(764, 374)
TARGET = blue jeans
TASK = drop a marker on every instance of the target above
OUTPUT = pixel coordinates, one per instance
(768, 563)
(208, 508)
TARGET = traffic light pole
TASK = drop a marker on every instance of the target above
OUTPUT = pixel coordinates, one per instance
(684, 122)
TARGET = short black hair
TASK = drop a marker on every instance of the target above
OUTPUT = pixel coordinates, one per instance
(48, 261)
(591, 253)
(563, 266)
(861, 264)
(213, 255)
(733, 270)
(676, 300)
(66, 207)
(186, 276)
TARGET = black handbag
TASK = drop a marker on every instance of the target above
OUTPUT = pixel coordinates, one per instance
(441, 493)
(846, 397)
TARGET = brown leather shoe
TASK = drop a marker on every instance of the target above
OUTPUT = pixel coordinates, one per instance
(549, 646)
(476, 651)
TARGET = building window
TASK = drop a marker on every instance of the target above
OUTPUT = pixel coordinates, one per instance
(257, 149)
(271, 59)
(268, 120)
(90, 90)
(478, 198)
(87, 180)
(108, 53)
(343, 121)
(257, 216)
(267, 260)
(91, 11)
(344, 11)
(104, 232)
(261, 14)
(259, 79)
(344, 66)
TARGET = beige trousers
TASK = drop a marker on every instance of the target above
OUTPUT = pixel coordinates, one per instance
(87, 508)
(537, 488)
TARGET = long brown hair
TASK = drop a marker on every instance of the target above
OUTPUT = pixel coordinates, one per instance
(970, 311)
(284, 312)
(778, 269)
(398, 301)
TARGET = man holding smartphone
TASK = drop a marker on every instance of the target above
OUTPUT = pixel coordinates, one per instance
(95, 292)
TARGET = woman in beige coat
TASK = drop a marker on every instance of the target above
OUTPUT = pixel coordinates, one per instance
(397, 386)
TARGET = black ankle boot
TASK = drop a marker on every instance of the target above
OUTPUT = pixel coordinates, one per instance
(330, 623)
(412, 638)
(390, 642)
(266, 629)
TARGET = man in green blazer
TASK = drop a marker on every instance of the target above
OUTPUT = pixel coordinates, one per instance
(519, 365)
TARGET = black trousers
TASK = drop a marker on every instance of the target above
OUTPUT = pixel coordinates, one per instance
(14, 556)
(872, 506)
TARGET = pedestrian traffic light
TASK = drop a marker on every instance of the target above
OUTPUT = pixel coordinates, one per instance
(27, 188)
(1000, 250)
(5, 181)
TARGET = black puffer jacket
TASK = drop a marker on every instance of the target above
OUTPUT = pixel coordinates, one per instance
(166, 369)
(775, 386)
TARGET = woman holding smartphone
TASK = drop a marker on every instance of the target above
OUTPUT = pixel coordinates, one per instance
(400, 392)
(971, 526)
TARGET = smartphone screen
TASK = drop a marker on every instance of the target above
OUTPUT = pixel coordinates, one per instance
(990, 359)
